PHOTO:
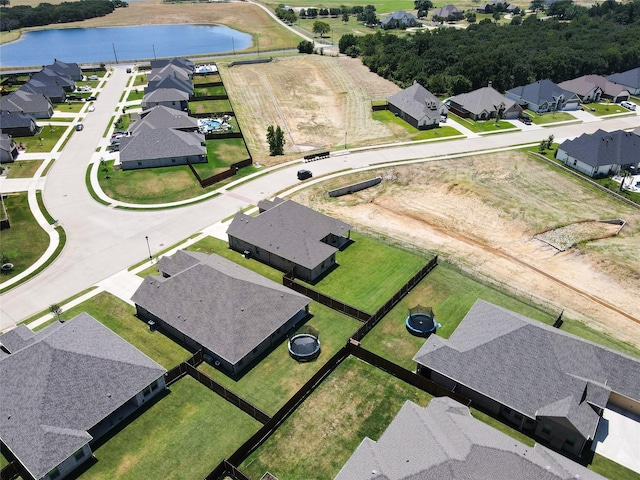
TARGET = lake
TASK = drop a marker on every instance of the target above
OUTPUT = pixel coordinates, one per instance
(120, 44)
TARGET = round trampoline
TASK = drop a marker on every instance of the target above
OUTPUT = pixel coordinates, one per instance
(304, 347)
(421, 321)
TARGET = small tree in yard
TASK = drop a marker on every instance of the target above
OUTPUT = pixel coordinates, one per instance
(275, 137)
(56, 310)
(321, 28)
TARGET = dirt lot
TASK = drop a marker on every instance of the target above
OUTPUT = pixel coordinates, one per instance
(484, 211)
(314, 98)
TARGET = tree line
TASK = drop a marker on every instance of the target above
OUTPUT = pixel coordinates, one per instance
(599, 40)
(20, 16)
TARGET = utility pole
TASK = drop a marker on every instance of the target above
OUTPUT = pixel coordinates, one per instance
(345, 140)
(154, 51)
(148, 248)
(233, 46)
(114, 51)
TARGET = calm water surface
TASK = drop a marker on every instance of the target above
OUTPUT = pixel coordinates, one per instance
(122, 44)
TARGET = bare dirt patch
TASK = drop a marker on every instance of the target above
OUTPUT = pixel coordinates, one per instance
(566, 237)
(315, 99)
(484, 211)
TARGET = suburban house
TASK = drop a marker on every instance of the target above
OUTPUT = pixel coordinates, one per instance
(544, 96)
(170, 70)
(65, 387)
(177, 61)
(629, 79)
(161, 147)
(170, 82)
(484, 103)
(8, 148)
(289, 236)
(591, 88)
(448, 13)
(163, 117)
(34, 104)
(168, 97)
(444, 441)
(47, 75)
(399, 19)
(54, 92)
(539, 378)
(211, 303)
(71, 70)
(496, 6)
(417, 106)
(601, 153)
(18, 124)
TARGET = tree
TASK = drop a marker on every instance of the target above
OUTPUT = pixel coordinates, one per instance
(516, 20)
(470, 17)
(423, 7)
(305, 46)
(56, 310)
(321, 28)
(4, 3)
(346, 41)
(345, 17)
(275, 137)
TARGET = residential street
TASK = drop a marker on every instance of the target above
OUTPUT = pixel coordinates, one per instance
(103, 240)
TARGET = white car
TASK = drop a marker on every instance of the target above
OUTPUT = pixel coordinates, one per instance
(628, 105)
(91, 108)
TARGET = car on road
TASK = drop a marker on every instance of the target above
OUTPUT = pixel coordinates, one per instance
(304, 174)
(628, 105)
(91, 108)
(79, 126)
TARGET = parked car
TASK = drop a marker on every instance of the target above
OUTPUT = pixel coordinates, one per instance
(525, 119)
(79, 127)
(74, 97)
(91, 108)
(304, 174)
(628, 105)
(90, 99)
(128, 70)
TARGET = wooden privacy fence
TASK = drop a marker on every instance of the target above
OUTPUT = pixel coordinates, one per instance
(233, 169)
(10, 471)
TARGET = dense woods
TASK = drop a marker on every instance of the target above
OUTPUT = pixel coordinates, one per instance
(600, 40)
(47, 14)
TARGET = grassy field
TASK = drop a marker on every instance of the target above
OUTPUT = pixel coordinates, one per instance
(184, 435)
(415, 134)
(369, 273)
(119, 317)
(43, 141)
(271, 383)
(23, 168)
(25, 242)
(355, 401)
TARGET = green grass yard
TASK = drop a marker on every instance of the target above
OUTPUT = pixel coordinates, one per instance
(369, 272)
(277, 377)
(204, 79)
(355, 401)
(23, 168)
(210, 106)
(43, 141)
(224, 152)
(441, 132)
(600, 109)
(209, 91)
(182, 436)
(549, 117)
(119, 317)
(70, 107)
(135, 95)
(486, 126)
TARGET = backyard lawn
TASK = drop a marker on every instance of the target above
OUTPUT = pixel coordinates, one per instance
(269, 384)
(204, 79)
(369, 272)
(23, 168)
(183, 436)
(209, 91)
(25, 241)
(355, 401)
(210, 106)
(119, 317)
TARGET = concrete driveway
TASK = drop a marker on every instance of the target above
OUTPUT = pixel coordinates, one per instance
(618, 438)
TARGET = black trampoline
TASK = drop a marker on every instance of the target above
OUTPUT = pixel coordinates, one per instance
(421, 321)
(305, 345)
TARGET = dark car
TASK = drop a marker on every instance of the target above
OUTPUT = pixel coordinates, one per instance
(304, 174)
(79, 127)
(90, 99)
(525, 119)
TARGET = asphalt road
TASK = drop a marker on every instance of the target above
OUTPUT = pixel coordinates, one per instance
(102, 241)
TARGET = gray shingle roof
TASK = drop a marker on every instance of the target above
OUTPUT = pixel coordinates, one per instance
(604, 148)
(533, 368)
(184, 85)
(483, 99)
(24, 102)
(169, 70)
(71, 70)
(161, 143)
(586, 83)
(47, 75)
(289, 230)
(444, 442)
(444, 12)
(164, 117)
(400, 16)
(414, 101)
(226, 308)
(630, 78)
(15, 120)
(51, 90)
(180, 62)
(65, 382)
(541, 91)
(161, 95)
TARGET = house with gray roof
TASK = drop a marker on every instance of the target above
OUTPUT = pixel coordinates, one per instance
(539, 378)
(444, 441)
(65, 387)
(448, 13)
(168, 97)
(20, 101)
(289, 236)
(18, 124)
(163, 117)
(71, 70)
(544, 96)
(591, 88)
(170, 70)
(211, 303)
(48, 75)
(54, 92)
(417, 106)
(484, 103)
(630, 79)
(178, 61)
(170, 82)
(399, 19)
(496, 6)
(8, 149)
(162, 147)
(601, 153)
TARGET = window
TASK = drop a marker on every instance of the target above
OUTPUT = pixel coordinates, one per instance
(575, 162)
(257, 251)
(173, 160)
(54, 473)
(570, 441)
(139, 163)
(546, 429)
(507, 410)
(78, 455)
(517, 416)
